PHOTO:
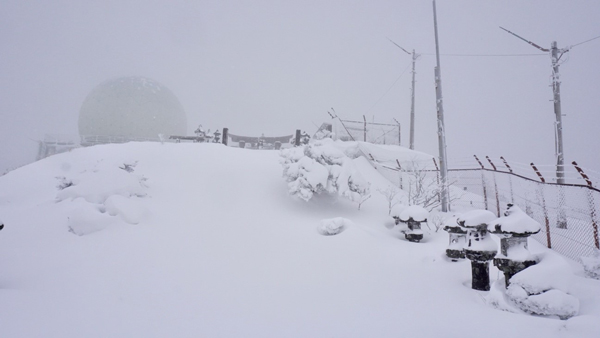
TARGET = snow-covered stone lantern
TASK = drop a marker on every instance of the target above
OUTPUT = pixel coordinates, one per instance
(457, 238)
(513, 229)
(410, 219)
(480, 247)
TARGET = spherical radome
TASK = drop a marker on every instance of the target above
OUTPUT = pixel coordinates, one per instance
(135, 107)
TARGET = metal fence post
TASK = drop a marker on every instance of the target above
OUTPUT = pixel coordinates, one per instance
(512, 196)
(495, 187)
(591, 204)
(543, 200)
(365, 130)
(485, 199)
(399, 172)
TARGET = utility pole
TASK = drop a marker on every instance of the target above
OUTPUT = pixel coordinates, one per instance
(560, 160)
(415, 56)
(440, 117)
(555, 54)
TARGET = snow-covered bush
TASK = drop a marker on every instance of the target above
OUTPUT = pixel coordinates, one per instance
(591, 265)
(542, 289)
(97, 195)
(391, 194)
(333, 226)
(96, 188)
(320, 167)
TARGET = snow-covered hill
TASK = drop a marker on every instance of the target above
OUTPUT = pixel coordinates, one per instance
(201, 240)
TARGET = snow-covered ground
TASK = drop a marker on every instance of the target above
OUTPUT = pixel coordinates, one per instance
(201, 240)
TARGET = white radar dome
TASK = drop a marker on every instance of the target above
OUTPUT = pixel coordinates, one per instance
(134, 107)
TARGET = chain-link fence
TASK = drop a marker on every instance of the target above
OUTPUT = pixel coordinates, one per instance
(377, 133)
(569, 213)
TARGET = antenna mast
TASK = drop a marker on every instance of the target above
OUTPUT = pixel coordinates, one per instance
(440, 117)
(415, 56)
(555, 57)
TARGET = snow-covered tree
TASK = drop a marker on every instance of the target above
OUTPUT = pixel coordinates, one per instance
(320, 167)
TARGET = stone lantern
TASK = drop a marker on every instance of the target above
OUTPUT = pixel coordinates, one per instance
(410, 219)
(480, 247)
(457, 238)
(513, 229)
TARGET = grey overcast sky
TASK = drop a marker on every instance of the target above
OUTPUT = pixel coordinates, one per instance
(275, 66)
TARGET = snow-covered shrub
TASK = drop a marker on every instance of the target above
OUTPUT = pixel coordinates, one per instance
(96, 188)
(306, 177)
(64, 183)
(333, 226)
(542, 288)
(591, 265)
(391, 194)
(98, 194)
(320, 167)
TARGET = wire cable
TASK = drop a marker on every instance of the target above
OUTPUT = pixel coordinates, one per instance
(581, 43)
(388, 90)
(489, 55)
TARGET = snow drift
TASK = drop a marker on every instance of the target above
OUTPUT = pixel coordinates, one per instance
(201, 240)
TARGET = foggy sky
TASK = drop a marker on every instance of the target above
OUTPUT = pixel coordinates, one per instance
(275, 66)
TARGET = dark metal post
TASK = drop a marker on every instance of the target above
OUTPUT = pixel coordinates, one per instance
(297, 138)
(225, 136)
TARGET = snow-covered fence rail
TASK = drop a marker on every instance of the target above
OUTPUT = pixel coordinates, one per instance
(569, 213)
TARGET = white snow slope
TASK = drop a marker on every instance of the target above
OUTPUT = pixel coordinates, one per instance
(201, 240)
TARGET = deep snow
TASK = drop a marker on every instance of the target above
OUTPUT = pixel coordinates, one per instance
(201, 240)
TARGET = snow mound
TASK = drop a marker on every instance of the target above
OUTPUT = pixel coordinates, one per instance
(129, 210)
(549, 303)
(86, 218)
(333, 226)
(543, 288)
(591, 265)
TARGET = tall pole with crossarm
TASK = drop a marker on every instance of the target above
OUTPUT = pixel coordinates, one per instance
(555, 55)
(445, 200)
(415, 56)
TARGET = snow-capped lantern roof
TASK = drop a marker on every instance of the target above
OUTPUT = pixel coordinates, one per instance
(515, 221)
(397, 210)
(450, 224)
(416, 212)
(476, 218)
